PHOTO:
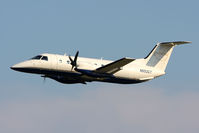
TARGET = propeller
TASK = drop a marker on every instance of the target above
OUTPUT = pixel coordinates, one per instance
(74, 62)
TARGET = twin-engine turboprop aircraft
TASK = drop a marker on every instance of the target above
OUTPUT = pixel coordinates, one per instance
(69, 70)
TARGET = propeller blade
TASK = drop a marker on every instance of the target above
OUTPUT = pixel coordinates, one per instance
(73, 62)
(76, 55)
(72, 68)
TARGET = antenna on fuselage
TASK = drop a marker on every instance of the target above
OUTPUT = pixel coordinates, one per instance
(44, 79)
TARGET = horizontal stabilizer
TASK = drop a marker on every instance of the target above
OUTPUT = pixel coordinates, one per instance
(175, 43)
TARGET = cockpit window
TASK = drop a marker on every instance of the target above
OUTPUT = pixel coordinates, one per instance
(38, 57)
(45, 58)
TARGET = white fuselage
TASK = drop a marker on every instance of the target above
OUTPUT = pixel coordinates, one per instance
(66, 69)
(58, 66)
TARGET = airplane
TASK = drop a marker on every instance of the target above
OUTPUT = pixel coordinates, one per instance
(69, 70)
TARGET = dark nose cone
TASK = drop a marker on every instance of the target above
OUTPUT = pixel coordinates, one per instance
(14, 68)
(17, 67)
(21, 67)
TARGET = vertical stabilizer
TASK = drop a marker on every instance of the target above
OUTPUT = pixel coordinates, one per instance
(160, 54)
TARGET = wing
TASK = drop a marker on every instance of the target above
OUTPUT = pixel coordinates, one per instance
(114, 66)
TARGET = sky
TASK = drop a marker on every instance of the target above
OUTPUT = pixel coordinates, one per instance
(108, 29)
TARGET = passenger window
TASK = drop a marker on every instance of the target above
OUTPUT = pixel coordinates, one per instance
(38, 57)
(45, 58)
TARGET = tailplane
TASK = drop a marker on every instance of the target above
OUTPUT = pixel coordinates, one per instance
(161, 53)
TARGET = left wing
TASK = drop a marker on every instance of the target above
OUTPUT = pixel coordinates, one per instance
(114, 66)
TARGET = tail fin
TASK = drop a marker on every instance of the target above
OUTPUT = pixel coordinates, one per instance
(161, 53)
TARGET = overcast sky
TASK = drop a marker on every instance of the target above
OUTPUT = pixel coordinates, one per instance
(111, 29)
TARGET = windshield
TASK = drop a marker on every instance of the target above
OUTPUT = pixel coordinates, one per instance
(38, 57)
(44, 58)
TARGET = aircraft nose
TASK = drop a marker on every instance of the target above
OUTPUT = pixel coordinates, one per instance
(17, 67)
(20, 66)
(12, 67)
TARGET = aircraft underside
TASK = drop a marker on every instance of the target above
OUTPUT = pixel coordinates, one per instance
(72, 78)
